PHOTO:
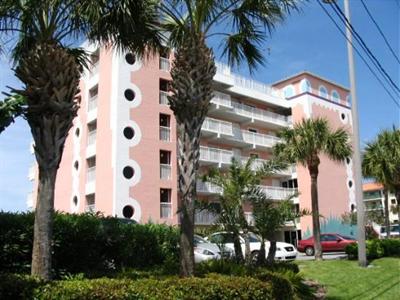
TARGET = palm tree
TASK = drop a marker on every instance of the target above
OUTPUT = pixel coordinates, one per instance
(242, 26)
(381, 161)
(239, 185)
(304, 143)
(50, 67)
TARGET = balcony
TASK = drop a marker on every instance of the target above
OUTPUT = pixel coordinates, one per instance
(259, 140)
(216, 156)
(165, 210)
(279, 193)
(216, 127)
(204, 217)
(165, 171)
(163, 98)
(165, 134)
(227, 107)
(273, 192)
(207, 188)
(92, 104)
(165, 64)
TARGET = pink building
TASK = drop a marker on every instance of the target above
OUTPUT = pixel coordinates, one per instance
(120, 157)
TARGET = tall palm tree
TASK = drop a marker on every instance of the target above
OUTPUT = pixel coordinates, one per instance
(304, 144)
(381, 161)
(240, 27)
(49, 66)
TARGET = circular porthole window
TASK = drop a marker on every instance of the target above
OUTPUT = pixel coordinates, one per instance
(129, 133)
(129, 94)
(76, 165)
(128, 211)
(128, 172)
(352, 207)
(348, 160)
(343, 116)
(350, 183)
(75, 200)
(77, 132)
(130, 58)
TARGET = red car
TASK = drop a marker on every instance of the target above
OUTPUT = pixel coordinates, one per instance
(330, 242)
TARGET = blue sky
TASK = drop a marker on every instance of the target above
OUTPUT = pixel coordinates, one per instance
(305, 41)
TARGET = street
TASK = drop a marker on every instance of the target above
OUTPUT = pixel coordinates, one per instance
(326, 256)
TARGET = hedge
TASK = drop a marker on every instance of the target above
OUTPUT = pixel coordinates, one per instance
(214, 287)
(89, 244)
(376, 248)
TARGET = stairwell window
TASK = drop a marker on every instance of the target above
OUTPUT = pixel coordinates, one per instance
(165, 164)
(165, 127)
(165, 203)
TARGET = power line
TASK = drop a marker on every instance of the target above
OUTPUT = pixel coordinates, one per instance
(380, 31)
(363, 45)
(359, 54)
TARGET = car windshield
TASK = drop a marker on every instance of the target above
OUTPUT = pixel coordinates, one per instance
(254, 238)
(199, 240)
(394, 228)
(347, 237)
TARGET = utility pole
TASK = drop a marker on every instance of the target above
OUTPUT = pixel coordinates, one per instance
(362, 257)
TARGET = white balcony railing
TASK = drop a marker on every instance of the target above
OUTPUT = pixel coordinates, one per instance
(222, 99)
(259, 139)
(91, 174)
(260, 114)
(165, 210)
(91, 138)
(204, 217)
(165, 133)
(217, 126)
(92, 104)
(207, 187)
(165, 171)
(278, 193)
(163, 97)
(90, 208)
(165, 64)
(215, 155)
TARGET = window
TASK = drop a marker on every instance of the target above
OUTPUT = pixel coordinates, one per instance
(128, 172)
(292, 183)
(165, 120)
(130, 58)
(305, 86)
(129, 94)
(90, 203)
(165, 195)
(164, 85)
(128, 211)
(165, 164)
(165, 130)
(221, 238)
(165, 157)
(129, 133)
(95, 56)
(92, 131)
(323, 92)
(288, 91)
(91, 162)
(93, 92)
(393, 201)
(335, 96)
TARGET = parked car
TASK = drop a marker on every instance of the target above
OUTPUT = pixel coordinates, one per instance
(330, 242)
(204, 250)
(284, 251)
(394, 231)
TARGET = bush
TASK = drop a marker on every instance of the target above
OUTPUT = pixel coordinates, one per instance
(13, 286)
(281, 286)
(89, 244)
(376, 248)
(210, 288)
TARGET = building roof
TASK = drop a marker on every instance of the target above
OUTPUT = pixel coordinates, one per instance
(372, 186)
(310, 74)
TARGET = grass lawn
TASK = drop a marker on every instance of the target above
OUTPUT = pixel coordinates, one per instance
(346, 280)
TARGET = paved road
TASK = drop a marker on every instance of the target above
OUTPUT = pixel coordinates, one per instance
(327, 256)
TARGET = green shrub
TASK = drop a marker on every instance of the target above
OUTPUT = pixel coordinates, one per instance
(376, 248)
(14, 286)
(210, 288)
(227, 267)
(89, 244)
(281, 286)
(391, 247)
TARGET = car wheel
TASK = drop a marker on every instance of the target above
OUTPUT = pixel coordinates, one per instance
(254, 256)
(309, 251)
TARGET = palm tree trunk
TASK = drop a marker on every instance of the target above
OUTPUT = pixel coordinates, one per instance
(271, 252)
(386, 207)
(261, 255)
(315, 212)
(192, 74)
(51, 77)
(238, 248)
(43, 227)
